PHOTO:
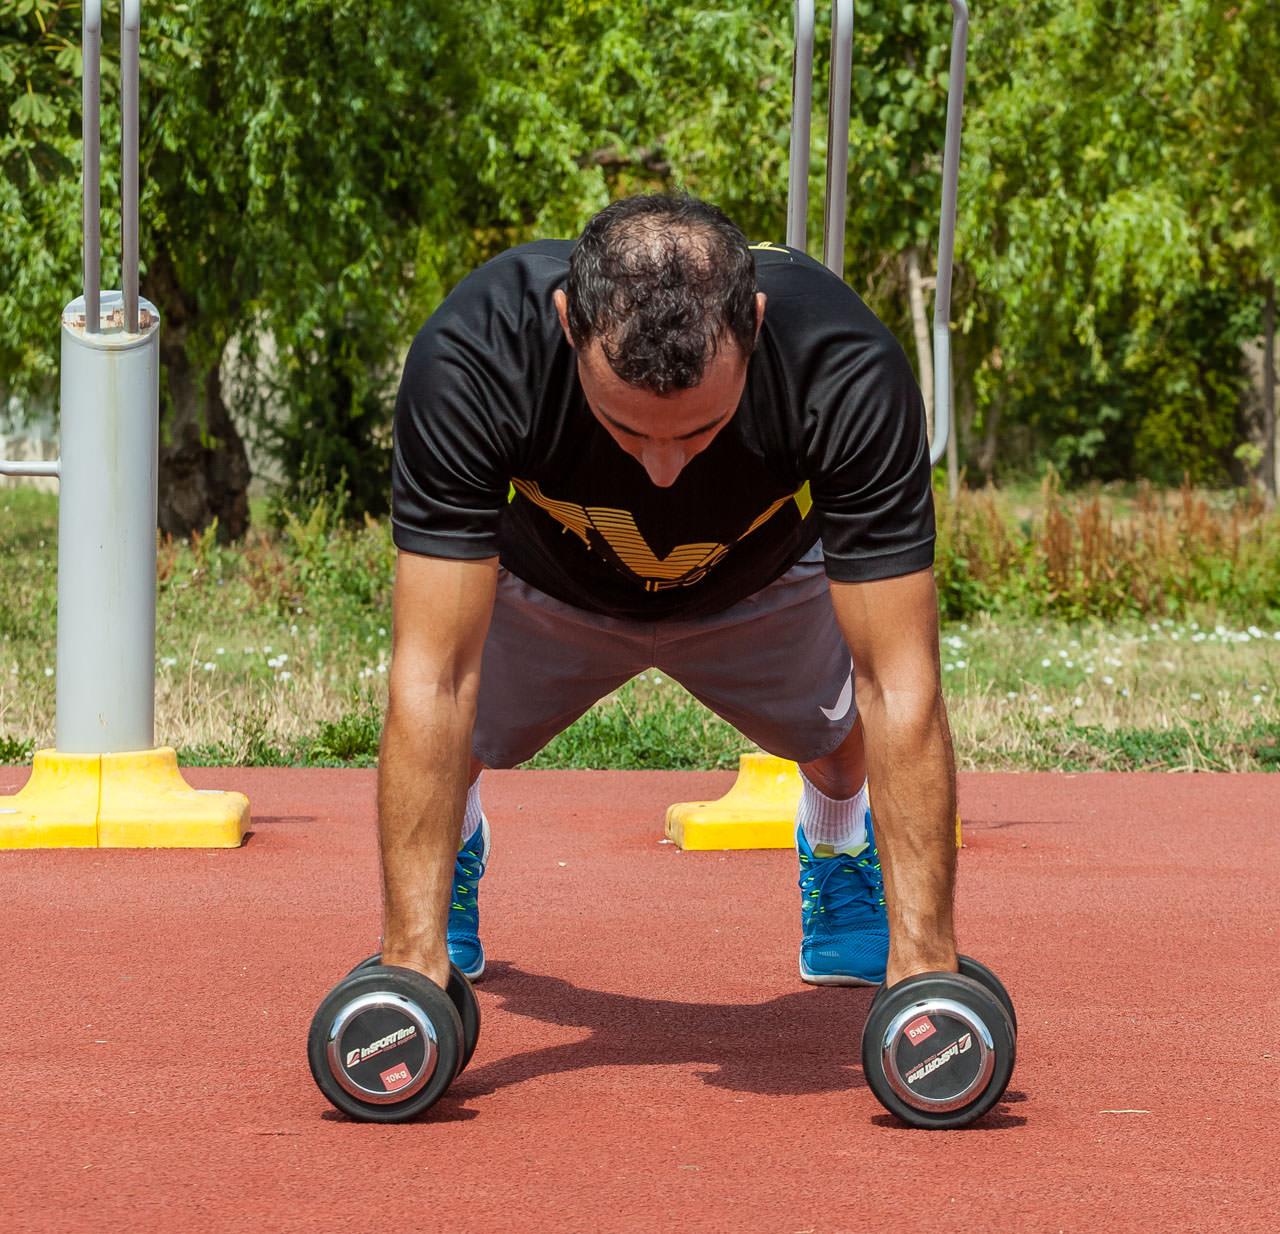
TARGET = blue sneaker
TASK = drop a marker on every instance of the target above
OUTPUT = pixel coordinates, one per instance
(842, 914)
(464, 909)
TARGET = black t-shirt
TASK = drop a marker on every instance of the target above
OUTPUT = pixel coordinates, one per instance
(497, 452)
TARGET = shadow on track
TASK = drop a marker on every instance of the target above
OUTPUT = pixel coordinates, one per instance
(806, 1042)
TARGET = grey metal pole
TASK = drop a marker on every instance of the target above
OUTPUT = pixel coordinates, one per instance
(801, 116)
(838, 105)
(90, 94)
(947, 233)
(105, 689)
(28, 467)
(130, 34)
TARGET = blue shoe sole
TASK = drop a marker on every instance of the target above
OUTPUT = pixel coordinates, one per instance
(457, 959)
(847, 979)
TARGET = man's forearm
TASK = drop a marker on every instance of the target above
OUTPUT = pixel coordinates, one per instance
(911, 769)
(422, 785)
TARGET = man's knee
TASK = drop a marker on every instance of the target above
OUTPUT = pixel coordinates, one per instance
(843, 772)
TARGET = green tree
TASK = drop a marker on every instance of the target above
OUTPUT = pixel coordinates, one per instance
(1234, 107)
(39, 189)
(900, 84)
(1113, 296)
(317, 175)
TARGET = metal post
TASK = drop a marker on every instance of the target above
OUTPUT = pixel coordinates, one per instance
(838, 107)
(90, 93)
(104, 784)
(947, 234)
(105, 688)
(105, 685)
(130, 34)
(834, 214)
(801, 115)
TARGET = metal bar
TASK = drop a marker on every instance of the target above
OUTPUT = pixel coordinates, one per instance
(90, 92)
(23, 467)
(105, 688)
(801, 115)
(130, 35)
(941, 392)
(947, 233)
(838, 105)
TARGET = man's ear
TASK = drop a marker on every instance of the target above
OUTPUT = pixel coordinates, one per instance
(760, 302)
(562, 310)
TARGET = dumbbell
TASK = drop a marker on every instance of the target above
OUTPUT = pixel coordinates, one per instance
(386, 1042)
(938, 1048)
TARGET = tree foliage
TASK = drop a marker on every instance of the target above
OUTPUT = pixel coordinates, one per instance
(1104, 223)
(40, 249)
(317, 175)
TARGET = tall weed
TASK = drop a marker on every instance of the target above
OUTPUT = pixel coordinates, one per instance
(1082, 556)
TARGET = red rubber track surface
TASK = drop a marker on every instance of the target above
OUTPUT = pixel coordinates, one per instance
(649, 1059)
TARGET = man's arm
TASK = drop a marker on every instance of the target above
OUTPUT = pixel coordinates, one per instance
(441, 614)
(891, 627)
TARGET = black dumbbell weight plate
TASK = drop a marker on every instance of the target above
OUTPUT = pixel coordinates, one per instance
(969, 967)
(938, 1050)
(464, 999)
(385, 1044)
(468, 1009)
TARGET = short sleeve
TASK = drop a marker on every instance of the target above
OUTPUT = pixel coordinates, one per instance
(870, 477)
(448, 474)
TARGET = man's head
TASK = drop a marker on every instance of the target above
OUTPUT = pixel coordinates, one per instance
(661, 306)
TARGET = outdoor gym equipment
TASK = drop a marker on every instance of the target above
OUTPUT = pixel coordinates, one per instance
(105, 784)
(837, 172)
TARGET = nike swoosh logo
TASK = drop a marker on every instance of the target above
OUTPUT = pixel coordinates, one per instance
(844, 702)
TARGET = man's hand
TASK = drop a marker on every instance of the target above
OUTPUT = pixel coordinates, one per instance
(441, 615)
(892, 630)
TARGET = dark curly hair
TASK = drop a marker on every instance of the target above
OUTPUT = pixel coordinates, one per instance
(660, 282)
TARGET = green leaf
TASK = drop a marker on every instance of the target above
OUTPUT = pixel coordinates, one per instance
(70, 59)
(34, 110)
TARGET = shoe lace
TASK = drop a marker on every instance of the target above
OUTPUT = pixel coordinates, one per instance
(467, 870)
(842, 887)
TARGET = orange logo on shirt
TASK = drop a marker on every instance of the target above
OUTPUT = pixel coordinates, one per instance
(685, 564)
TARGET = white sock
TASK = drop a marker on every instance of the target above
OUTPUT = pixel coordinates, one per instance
(472, 814)
(839, 825)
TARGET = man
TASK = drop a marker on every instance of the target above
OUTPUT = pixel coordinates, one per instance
(622, 453)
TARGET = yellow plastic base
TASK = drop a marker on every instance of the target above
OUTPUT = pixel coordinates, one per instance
(759, 811)
(58, 805)
(136, 799)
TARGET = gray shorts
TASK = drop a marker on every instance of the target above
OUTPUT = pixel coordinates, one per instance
(775, 666)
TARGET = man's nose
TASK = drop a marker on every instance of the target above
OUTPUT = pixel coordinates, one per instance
(663, 461)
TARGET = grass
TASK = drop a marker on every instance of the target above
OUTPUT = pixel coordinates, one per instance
(1164, 695)
(275, 651)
